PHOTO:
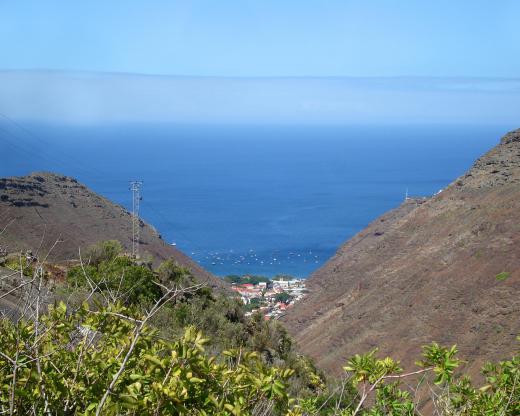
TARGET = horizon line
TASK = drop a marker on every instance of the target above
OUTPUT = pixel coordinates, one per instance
(253, 77)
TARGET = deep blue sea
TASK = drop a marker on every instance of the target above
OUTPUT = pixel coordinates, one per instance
(252, 199)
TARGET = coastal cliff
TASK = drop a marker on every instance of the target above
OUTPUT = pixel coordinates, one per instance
(57, 216)
(443, 269)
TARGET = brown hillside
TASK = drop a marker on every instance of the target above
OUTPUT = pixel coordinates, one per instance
(42, 208)
(425, 271)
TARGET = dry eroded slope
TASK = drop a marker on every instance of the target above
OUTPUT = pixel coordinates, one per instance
(425, 271)
(42, 208)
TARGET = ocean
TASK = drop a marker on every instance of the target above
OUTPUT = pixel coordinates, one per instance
(252, 199)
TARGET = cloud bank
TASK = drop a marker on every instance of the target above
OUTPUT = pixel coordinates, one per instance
(98, 98)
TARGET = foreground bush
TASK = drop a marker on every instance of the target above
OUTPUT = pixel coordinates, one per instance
(383, 388)
(110, 362)
(106, 362)
(136, 347)
(217, 315)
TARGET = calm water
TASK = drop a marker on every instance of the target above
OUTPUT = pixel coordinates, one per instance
(252, 199)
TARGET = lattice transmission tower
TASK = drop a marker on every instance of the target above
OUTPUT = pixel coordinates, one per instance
(135, 187)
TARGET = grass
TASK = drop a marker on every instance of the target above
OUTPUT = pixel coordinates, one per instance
(502, 276)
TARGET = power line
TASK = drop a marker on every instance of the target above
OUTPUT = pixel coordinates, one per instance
(19, 137)
(19, 141)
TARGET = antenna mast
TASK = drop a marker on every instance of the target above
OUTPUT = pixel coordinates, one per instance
(135, 187)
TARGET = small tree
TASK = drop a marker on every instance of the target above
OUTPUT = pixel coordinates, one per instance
(283, 297)
(104, 251)
(171, 273)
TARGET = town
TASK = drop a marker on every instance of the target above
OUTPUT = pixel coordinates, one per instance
(270, 297)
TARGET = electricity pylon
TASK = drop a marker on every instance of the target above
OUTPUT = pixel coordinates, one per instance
(135, 187)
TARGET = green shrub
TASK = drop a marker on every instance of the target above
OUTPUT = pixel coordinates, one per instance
(502, 276)
(151, 376)
(232, 278)
(19, 263)
(111, 362)
(283, 297)
(171, 273)
(103, 251)
(119, 276)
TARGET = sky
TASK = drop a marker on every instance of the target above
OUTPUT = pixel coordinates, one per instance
(258, 38)
(245, 61)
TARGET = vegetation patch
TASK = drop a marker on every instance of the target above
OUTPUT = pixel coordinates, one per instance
(133, 340)
(502, 276)
(232, 278)
(109, 361)
(21, 263)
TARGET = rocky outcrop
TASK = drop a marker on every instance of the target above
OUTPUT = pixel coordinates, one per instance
(512, 136)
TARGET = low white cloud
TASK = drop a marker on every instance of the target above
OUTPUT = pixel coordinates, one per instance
(96, 98)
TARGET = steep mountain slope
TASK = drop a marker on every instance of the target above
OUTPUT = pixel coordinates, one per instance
(444, 269)
(40, 209)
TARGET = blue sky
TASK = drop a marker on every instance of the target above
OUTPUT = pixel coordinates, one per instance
(261, 61)
(251, 38)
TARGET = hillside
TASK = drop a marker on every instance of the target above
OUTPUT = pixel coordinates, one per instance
(42, 208)
(445, 269)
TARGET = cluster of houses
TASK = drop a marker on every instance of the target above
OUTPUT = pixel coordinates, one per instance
(270, 298)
